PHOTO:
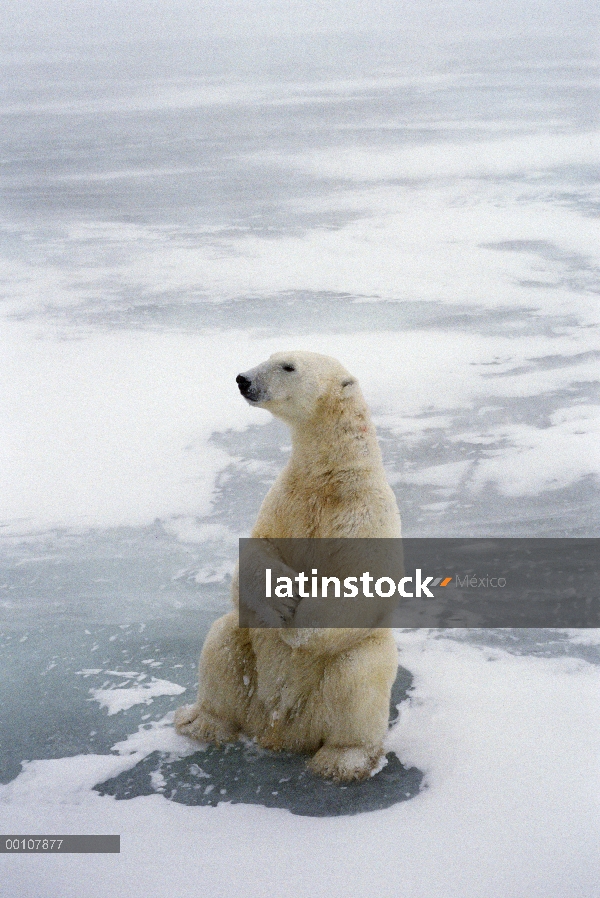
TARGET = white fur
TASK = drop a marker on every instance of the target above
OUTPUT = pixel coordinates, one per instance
(321, 691)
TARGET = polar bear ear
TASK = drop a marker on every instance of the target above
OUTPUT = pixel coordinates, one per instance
(348, 382)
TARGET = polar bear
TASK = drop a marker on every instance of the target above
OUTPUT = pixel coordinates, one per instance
(321, 691)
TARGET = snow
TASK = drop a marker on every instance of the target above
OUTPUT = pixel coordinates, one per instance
(423, 207)
(121, 698)
(108, 431)
(115, 429)
(509, 748)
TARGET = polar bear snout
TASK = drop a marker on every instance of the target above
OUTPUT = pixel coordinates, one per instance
(249, 387)
(243, 383)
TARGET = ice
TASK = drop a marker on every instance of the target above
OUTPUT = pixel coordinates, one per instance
(121, 698)
(509, 747)
(421, 204)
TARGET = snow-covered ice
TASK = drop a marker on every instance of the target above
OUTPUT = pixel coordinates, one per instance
(508, 744)
(422, 205)
(124, 697)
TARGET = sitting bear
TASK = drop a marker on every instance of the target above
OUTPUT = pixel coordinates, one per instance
(322, 691)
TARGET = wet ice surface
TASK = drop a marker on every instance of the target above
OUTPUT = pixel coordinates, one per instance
(101, 635)
(169, 219)
(243, 772)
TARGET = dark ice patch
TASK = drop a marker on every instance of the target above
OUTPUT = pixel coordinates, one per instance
(572, 271)
(549, 363)
(290, 312)
(243, 773)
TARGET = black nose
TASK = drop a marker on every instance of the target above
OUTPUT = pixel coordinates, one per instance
(242, 382)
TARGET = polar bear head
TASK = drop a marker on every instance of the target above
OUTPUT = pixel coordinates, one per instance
(295, 386)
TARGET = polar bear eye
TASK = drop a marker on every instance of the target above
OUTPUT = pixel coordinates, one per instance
(288, 367)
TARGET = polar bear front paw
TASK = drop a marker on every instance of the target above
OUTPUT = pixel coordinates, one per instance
(194, 721)
(345, 764)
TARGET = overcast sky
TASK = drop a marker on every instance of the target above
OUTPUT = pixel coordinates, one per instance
(117, 19)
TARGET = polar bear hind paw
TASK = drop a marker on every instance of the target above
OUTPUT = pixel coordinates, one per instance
(200, 724)
(346, 764)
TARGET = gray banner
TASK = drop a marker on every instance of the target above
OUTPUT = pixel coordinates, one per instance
(60, 844)
(419, 583)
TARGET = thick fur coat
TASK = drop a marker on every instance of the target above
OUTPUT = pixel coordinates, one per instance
(324, 692)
